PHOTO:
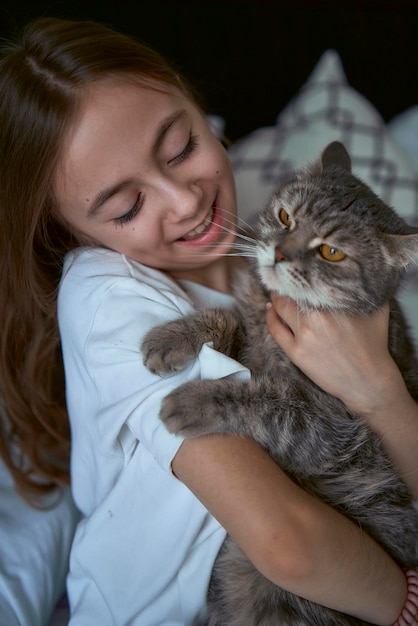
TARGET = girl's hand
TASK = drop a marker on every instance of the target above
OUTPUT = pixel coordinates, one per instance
(348, 357)
(345, 355)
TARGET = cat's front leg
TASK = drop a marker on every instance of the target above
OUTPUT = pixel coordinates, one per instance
(169, 347)
(203, 407)
(221, 406)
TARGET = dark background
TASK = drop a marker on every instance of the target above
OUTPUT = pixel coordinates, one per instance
(248, 58)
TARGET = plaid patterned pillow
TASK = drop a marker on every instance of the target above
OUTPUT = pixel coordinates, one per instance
(327, 108)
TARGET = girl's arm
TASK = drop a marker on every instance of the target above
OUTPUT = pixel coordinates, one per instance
(298, 542)
(348, 356)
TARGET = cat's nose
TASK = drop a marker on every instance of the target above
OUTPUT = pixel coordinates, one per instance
(279, 256)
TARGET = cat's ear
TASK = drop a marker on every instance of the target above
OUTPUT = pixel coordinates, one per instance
(402, 249)
(335, 154)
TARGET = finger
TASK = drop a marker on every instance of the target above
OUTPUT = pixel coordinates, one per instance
(286, 309)
(278, 329)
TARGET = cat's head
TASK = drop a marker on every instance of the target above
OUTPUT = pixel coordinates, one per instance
(328, 242)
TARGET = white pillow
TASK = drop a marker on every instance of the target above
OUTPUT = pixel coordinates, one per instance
(327, 108)
(34, 549)
(403, 129)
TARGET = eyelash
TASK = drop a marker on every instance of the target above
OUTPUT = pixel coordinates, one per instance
(127, 217)
(192, 144)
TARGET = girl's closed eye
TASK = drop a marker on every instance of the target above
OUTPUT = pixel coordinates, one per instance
(191, 145)
(129, 215)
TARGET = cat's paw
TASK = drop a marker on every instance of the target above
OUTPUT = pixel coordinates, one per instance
(162, 360)
(166, 351)
(183, 414)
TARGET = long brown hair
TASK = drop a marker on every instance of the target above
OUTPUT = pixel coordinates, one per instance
(42, 77)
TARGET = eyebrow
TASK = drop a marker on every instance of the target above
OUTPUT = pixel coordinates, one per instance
(104, 195)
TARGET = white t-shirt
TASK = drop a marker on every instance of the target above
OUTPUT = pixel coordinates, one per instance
(144, 550)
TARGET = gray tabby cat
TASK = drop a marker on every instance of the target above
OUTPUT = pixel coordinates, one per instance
(329, 243)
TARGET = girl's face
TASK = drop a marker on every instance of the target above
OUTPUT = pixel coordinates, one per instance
(141, 173)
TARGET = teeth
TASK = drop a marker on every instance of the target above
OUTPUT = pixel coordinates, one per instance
(199, 229)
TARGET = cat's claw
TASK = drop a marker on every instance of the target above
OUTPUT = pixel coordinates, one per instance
(163, 362)
(181, 420)
(162, 356)
(165, 350)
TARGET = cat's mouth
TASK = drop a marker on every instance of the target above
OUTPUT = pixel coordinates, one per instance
(275, 270)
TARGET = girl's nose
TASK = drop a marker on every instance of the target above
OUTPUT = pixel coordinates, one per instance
(182, 201)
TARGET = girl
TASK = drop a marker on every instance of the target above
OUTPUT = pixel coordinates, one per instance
(115, 189)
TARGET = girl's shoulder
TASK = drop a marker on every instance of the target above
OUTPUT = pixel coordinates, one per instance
(95, 264)
(102, 284)
(93, 271)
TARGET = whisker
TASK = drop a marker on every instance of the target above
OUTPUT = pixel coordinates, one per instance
(239, 219)
(245, 249)
(244, 244)
(238, 234)
(243, 252)
(245, 224)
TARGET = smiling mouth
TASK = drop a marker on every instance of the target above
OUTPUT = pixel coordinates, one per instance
(199, 230)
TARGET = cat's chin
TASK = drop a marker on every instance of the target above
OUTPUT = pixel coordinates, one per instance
(268, 278)
(270, 281)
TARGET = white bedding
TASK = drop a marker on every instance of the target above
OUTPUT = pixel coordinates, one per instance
(34, 549)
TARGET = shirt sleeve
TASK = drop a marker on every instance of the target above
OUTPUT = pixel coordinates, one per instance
(127, 383)
(121, 396)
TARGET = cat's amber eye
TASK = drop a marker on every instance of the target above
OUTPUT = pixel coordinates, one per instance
(329, 253)
(285, 218)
